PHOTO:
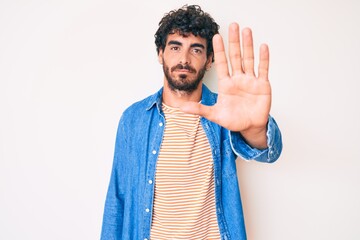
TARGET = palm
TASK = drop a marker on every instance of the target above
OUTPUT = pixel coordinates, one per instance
(243, 102)
(244, 99)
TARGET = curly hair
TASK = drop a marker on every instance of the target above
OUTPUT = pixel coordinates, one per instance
(187, 20)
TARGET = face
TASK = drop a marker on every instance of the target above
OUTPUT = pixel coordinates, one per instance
(184, 61)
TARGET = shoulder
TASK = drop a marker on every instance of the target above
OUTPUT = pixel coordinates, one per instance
(142, 107)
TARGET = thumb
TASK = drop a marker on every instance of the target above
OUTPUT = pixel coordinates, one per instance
(197, 109)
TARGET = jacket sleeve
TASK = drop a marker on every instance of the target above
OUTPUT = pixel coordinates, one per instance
(114, 205)
(269, 155)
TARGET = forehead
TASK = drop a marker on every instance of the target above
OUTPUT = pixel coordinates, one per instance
(186, 39)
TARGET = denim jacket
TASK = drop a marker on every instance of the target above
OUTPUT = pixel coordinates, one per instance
(129, 201)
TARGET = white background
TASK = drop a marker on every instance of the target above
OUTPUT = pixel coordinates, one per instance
(69, 68)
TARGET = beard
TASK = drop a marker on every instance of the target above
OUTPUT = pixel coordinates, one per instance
(183, 82)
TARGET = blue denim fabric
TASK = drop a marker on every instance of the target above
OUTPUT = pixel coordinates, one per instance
(129, 201)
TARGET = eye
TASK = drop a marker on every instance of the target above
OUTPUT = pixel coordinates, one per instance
(175, 48)
(197, 50)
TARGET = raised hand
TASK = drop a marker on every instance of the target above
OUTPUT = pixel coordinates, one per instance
(244, 99)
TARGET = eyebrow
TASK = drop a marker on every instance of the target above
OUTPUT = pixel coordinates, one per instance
(198, 45)
(173, 42)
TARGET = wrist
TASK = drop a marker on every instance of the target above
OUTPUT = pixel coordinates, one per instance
(256, 137)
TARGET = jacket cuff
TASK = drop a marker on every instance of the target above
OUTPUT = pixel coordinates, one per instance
(269, 155)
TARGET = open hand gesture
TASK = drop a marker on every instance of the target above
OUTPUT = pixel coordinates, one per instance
(244, 99)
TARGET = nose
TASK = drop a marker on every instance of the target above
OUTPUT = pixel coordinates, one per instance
(185, 57)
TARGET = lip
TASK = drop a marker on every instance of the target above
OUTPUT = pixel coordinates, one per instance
(182, 70)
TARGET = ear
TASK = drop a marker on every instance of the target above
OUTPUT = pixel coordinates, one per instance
(160, 56)
(209, 61)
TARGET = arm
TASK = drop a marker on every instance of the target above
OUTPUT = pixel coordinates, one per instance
(114, 204)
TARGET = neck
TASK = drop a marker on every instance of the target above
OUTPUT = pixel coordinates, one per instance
(175, 98)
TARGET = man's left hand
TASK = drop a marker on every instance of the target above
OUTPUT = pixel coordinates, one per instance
(244, 99)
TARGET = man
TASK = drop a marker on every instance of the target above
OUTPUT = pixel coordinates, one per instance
(174, 173)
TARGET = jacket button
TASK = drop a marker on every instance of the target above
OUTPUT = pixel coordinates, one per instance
(154, 152)
(147, 210)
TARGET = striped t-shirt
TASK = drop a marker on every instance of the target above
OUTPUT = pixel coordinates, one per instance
(184, 200)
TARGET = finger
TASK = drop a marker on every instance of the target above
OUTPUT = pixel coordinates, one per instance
(197, 109)
(248, 51)
(264, 62)
(220, 57)
(234, 49)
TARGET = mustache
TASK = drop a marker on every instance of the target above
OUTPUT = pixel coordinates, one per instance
(186, 66)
